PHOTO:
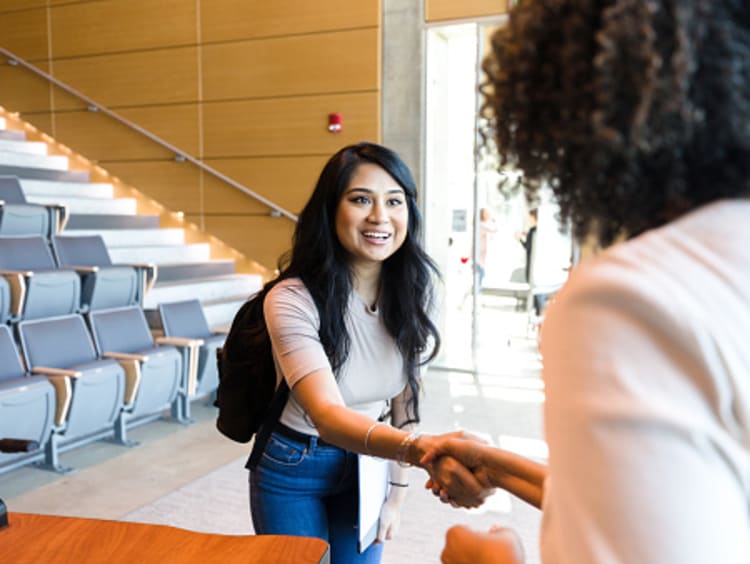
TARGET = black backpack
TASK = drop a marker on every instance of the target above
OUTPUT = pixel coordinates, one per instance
(247, 398)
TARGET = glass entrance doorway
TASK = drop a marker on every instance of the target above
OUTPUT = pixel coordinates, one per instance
(479, 226)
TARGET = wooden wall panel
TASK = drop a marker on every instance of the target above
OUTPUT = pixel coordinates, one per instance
(226, 20)
(25, 33)
(262, 238)
(344, 61)
(174, 185)
(164, 76)
(7, 6)
(122, 25)
(43, 122)
(22, 91)
(289, 126)
(100, 138)
(286, 181)
(436, 10)
(271, 71)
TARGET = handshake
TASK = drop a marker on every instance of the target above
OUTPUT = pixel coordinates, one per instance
(464, 470)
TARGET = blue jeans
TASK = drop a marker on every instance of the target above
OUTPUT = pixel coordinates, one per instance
(306, 489)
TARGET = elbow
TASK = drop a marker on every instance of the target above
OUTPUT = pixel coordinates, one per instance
(328, 423)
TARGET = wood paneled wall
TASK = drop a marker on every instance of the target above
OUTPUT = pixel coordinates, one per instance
(440, 10)
(246, 85)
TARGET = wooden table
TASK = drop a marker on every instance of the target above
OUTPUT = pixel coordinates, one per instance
(52, 539)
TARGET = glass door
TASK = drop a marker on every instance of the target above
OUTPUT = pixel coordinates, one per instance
(478, 220)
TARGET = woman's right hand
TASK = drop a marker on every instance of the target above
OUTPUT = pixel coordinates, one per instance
(451, 478)
(491, 467)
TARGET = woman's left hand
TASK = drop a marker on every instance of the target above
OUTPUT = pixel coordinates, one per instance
(390, 519)
(498, 546)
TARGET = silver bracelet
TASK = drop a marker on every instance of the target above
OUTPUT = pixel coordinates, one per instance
(369, 432)
(403, 449)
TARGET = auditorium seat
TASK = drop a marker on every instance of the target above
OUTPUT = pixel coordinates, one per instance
(90, 391)
(18, 217)
(104, 285)
(159, 370)
(5, 300)
(186, 319)
(27, 403)
(38, 288)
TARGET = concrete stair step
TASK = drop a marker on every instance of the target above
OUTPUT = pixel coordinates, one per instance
(118, 206)
(213, 289)
(220, 313)
(186, 271)
(179, 271)
(44, 174)
(115, 238)
(164, 254)
(50, 188)
(25, 147)
(12, 134)
(48, 162)
(110, 221)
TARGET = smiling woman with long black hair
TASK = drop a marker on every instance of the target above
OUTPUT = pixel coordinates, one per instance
(350, 328)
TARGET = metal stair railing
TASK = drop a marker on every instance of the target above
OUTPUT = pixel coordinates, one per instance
(179, 155)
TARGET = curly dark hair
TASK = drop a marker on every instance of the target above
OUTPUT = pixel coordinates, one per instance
(632, 111)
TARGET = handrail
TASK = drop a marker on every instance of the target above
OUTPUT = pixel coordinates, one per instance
(180, 155)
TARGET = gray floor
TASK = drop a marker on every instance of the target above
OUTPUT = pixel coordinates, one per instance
(191, 477)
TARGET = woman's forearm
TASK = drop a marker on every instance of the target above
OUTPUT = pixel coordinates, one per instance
(520, 476)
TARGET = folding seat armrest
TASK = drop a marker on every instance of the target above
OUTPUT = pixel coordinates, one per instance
(58, 218)
(190, 353)
(179, 341)
(24, 273)
(17, 282)
(48, 371)
(60, 380)
(131, 364)
(147, 274)
(84, 269)
(125, 356)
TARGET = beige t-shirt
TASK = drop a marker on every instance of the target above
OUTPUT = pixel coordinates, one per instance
(373, 372)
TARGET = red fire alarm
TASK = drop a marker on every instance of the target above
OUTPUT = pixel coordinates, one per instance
(335, 122)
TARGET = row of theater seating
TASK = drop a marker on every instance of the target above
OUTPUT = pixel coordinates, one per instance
(78, 361)
(19, 217)
(47, 274)
(71, 379)
(65, 274)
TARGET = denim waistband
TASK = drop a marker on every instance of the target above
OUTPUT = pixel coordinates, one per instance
(294, 435)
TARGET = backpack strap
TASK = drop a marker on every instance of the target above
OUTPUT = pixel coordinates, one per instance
(274, 413)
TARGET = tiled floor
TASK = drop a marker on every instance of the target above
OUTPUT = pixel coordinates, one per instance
(190, 476)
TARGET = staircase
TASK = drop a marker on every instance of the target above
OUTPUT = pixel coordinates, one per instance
(186, 270)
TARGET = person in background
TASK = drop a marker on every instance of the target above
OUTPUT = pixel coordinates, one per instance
(527, 240)
(487, 230)
(350, 329)
(637, 114)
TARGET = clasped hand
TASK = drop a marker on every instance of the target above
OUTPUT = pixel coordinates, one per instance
(460, 481)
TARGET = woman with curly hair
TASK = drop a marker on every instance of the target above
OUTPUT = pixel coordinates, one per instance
(637, 114)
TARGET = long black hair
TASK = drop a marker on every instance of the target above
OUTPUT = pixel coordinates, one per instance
(321, 262)
(634, 111)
